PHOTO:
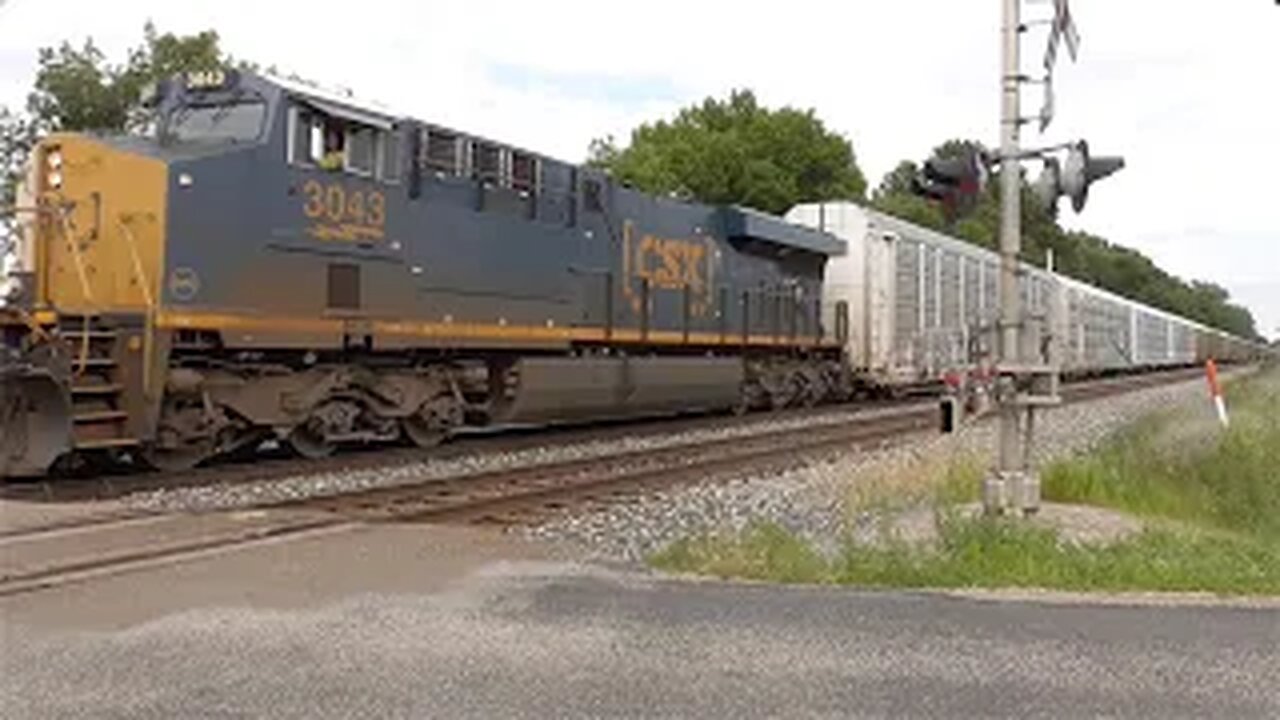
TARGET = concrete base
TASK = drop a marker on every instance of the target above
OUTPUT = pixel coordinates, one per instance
(1011, 493)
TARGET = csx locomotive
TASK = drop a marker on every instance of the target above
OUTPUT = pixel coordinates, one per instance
(270, 260)
(273, 261)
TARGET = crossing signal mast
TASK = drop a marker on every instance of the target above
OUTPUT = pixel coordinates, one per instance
(1024, 382)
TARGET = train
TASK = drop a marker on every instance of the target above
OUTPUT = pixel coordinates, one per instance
(270, 261)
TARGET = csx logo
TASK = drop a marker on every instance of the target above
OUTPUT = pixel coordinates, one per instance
(667, 264)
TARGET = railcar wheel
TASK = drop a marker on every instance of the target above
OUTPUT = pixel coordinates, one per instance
(310, 444)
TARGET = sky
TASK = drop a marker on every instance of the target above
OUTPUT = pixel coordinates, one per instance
(1188, 91)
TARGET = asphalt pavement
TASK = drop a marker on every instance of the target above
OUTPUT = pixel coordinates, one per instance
(537, 638)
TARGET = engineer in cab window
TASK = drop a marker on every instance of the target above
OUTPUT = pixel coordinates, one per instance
(331, 153)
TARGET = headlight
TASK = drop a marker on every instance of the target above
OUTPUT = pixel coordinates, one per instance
(55, 180)
(54, 159)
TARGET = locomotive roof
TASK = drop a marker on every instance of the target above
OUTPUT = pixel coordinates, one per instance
(337, 100)
(743, 222)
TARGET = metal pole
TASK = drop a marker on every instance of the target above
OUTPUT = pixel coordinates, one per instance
(1004, 486)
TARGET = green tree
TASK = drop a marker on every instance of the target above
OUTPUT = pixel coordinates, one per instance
(76, 88)
(898, 181)
(735, 151)
(17, 137)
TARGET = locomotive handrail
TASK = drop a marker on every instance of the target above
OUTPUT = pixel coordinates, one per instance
(149, 324)
(83, 277)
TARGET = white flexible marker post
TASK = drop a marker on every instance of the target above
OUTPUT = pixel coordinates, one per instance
(1211, 373)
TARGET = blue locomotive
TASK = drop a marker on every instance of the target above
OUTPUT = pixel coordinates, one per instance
(271, 260)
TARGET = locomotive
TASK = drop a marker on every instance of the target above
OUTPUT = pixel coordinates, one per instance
(269, 260)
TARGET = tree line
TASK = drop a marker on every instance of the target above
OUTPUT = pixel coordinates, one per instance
(731, 150)
(735, 151)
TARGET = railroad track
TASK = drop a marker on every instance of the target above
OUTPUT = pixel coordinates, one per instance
(57, 554)
(54, 555)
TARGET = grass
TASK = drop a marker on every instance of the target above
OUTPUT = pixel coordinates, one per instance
(1212, 499)
(985, 553)
(1180, 465)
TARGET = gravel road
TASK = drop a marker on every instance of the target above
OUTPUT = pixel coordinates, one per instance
(551, 640)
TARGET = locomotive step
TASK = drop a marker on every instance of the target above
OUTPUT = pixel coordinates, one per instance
(104, 389)
(105, 443)
(93, 362)
(99, 416)
(79, 333)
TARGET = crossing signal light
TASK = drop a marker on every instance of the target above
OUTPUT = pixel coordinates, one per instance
(953, 180)
(1073, 176)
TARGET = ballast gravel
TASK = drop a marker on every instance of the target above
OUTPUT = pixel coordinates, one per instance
(812, 500)
(213, 497)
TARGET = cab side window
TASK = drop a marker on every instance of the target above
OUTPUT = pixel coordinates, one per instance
(337, 144)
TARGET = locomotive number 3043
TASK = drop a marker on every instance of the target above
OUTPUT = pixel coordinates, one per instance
(340, 212)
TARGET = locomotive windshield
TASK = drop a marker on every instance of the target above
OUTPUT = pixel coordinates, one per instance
(227, 122)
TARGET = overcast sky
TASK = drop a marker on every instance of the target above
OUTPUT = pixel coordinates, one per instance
(1187, 90)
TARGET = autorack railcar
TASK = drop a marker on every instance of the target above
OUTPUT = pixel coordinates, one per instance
(924, 307)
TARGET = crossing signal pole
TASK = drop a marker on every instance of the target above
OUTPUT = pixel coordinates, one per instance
(1025, 381)
(1010, 487)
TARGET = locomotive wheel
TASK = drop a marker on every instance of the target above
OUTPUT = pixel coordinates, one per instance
(177, 459)
(785, 393)
(813, 388)
(433, 422)
(184, 437)
(421, 433)
(310, 444)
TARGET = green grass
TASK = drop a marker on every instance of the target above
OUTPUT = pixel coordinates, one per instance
(1212, 498)
(1181, 465)
(992, 553)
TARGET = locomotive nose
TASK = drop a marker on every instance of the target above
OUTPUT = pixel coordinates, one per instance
(88, 244)
(100, 231)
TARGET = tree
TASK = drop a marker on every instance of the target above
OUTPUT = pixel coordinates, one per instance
(78, 89)
(736, 152)
(17, 137)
